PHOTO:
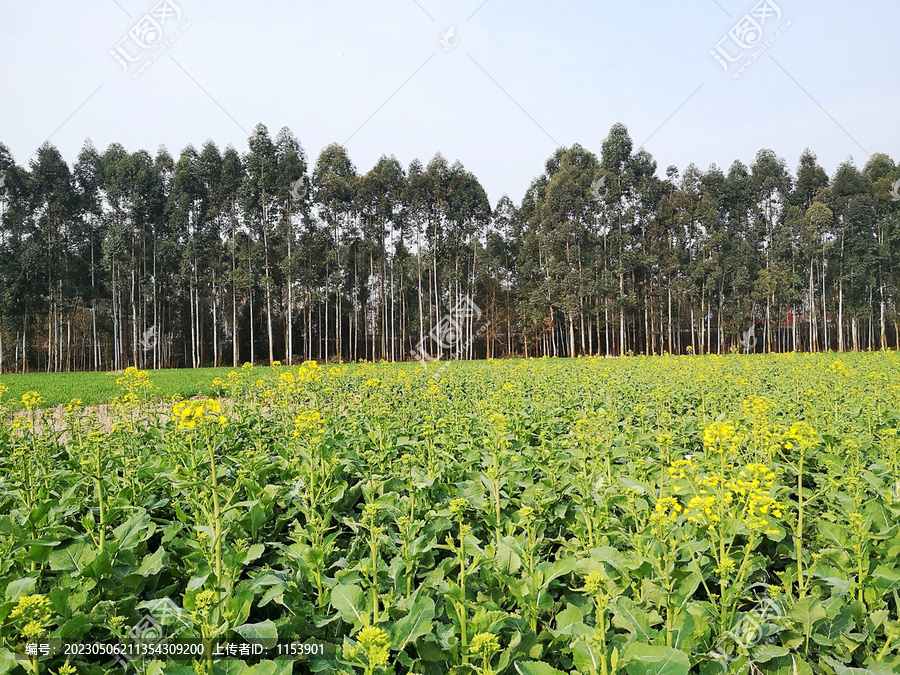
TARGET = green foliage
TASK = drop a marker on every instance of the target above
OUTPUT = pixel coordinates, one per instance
(646, 516)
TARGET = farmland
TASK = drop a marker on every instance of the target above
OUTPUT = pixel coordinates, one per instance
(647, 515)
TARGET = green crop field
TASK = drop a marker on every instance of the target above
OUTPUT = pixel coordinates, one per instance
(646, 515)
(101, 387)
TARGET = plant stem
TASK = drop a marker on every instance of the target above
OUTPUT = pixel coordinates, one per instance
(798, 534)
(217, 542)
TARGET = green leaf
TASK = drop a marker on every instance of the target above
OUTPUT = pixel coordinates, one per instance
(254, 553)
(350, 602)
(570, 616)
(507, 561)
(264, 632)
(557, 569)
(8, 661)
(536, 668)
(835, 534)
(807, 611)
(766, 653)
(16, 589)
(153, 563)
(197, 582)
(136, 529)
(586, 656)
(644, 659)
(841, 669)
(75, 556)
(633, 619)
(414, 625)
(76, 627)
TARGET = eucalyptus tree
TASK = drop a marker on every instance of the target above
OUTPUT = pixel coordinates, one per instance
(126, 258)
(232, 178)
(617, 198)
(53, 206)
(499, 273)
(215, 205)
(566, 213)
(334, 180)
(260, 207)
(531, 301)
(133, 194)
(417, 205)
(87, 176)
(772, 189)
(166, 258)
(187, 210)
(813, 223)
(855, 250)
(467, 212)
(643, 254)
(293, 202)
(883, 175)
(20, 268)
(437, 186)
(379, 201)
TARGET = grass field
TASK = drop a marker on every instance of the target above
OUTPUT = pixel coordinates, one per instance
(94, 388)
(646, 516)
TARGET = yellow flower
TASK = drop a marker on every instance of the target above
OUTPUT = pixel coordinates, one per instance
(189, 414)
(720, 436)
(31, 400)
(459, 506)
(593, 582)
(726, 566)
(375, 643)
(309, 423)
(679, 467)
(204, 601)
(484, 644)
(32, 608)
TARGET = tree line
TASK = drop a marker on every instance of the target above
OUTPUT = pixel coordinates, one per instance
(217, 257)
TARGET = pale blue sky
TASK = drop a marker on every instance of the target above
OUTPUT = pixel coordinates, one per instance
(521, 78)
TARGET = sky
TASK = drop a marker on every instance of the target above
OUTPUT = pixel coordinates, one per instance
(496, 84)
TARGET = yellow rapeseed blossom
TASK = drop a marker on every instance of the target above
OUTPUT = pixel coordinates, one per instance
(309, 371)
(680, 467)
(309, 424)
(204, 601)
(32, 608)
(374, 643)
(700, 509)
(593, 582)
(837, 367)
(32, 400)
(799, 434)
(721, 436)
(484, 644)
(33, 613)
(459, 506)
(198, 412)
